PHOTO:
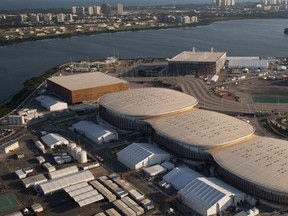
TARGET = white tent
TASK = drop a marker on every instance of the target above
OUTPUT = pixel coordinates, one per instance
(180, 176)
(210, 196)
(139, 155)
(94, 132)
(53, 139)
(51, 103)
(66, 181)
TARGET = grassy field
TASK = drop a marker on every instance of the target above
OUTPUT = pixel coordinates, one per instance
(8, 201)
(257, 98)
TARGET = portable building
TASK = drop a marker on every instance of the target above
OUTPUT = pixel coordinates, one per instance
(36, 208)
(147, 204)
(112, 212)
(136, 194)
(121, 206)
(140, 155)
(133, 205)
(40, 146)
(20, 174)
(40, 159)
(210, 196)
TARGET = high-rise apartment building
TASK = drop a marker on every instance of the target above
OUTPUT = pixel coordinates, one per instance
(74, 9)
(120, 9)
(34, 18)
(60, 18)
(23, 17)
(97, 10)
(47, 17)
(69, 17)
(90, 11)
(223, 3)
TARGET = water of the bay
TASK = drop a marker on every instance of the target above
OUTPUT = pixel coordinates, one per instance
(22, 61)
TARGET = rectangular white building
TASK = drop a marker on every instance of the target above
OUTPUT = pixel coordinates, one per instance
(9, 146)
(180, 176)
(210, 196)
(53, 139)
(140, 155)
(96, 133)
(51, 103)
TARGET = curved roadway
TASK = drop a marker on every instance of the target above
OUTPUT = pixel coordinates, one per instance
(208, 100)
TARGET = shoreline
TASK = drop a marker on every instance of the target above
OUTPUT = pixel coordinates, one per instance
(207, 21)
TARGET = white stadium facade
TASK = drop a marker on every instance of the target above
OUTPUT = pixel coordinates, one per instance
(254, 164)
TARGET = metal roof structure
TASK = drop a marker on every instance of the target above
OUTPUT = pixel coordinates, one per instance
(242, 58)
(34, 180)
(54, 139)
(65, 181)
(247, 63)
(262, 161)
(180, 176)
(85, 80)
(51, 103)
(203, 195)
(191, 56)
(138, 155)
(201, 128)
(95, 132)
(8, 144)
(155, 170)
(63, 172)
(147, 102)
(168, 165)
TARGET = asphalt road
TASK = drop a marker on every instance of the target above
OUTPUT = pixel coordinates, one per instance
(208, 100)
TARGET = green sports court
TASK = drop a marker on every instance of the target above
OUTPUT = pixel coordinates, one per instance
(8, 201)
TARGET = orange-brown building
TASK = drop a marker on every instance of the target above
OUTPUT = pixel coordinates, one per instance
(82, 87)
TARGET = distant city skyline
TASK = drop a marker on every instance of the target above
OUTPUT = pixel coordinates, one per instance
(45, 4)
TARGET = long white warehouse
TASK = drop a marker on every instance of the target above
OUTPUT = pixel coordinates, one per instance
(96, 133)
(51, 103)
(140, 155)
(65, 181)
(210, 196)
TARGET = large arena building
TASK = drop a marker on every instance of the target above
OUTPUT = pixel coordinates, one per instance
(257, 165)
(196, 63)
(82, 87)
(128, 109)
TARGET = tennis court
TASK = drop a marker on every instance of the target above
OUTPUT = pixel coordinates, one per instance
(8, 201)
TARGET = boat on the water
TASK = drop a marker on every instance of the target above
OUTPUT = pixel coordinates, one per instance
(286, 31)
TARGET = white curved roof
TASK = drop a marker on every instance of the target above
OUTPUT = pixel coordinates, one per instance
(202, 128)
(148, 102)
(260, 160)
